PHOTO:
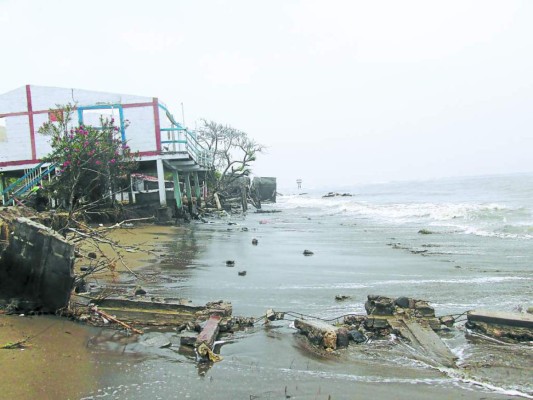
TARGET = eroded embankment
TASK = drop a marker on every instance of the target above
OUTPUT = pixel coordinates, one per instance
(36, 265)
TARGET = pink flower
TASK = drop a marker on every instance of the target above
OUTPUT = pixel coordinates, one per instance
(112, 161)
(98, 162)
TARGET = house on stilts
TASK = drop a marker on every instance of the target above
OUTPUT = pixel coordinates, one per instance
(163, 144)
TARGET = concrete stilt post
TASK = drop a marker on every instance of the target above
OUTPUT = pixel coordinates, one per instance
(188, 191)
(177, 190)
(161, 183)
(197, 190)
(2, 186)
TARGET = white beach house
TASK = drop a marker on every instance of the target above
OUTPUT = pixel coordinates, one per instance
(145, 124)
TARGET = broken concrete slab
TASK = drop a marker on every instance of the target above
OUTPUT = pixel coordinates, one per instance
(169, 312)
(425, 341)
(322, 333)
(500, 324)
(36, 265)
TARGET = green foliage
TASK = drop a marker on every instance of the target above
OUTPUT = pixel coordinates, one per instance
(90, 161)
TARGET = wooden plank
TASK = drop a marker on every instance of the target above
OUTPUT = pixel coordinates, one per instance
(501, 318)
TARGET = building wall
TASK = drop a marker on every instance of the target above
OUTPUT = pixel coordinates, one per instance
(141, 114)
(44, 97)
(13, 101)
(17, 143)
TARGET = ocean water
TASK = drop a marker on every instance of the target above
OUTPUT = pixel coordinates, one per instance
(460, 244)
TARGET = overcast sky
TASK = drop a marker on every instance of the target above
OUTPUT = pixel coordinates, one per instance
(340, 92)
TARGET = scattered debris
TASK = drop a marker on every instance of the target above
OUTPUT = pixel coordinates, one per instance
(230, 263)
(425, 232)
(413, 320)
(272, 315)
(241, 273)
(255, 241)
(308, 253)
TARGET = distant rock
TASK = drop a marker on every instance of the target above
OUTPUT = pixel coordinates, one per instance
(242, 273)
(308, 253)
(255, 241)
(230, 263)
(425, 232)
(342, 297)
(335, 194)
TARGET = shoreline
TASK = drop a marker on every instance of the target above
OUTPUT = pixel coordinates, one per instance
(266, 360)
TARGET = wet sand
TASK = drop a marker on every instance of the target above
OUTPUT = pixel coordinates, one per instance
(54, 363)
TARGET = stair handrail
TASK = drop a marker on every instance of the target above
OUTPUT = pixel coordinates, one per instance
(27, 181)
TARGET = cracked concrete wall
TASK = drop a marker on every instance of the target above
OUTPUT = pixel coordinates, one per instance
(36, 266)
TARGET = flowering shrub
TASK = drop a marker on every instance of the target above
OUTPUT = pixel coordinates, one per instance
(90, 161)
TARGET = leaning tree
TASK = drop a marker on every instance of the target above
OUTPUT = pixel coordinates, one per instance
(233, 154)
